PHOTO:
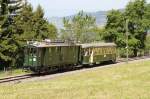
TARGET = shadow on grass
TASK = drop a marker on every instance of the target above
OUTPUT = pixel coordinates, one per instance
(75, 68)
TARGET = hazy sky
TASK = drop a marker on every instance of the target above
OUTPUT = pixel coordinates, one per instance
(68, 7)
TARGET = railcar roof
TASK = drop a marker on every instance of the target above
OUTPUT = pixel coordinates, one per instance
(42, 45)
(88, 45)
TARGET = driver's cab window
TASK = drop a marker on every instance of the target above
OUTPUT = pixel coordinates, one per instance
(86, 52)
(26, 51)
(33, 52)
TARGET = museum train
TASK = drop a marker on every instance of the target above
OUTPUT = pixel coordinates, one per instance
(47, 56)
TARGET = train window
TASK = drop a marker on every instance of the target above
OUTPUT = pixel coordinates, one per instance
(86, 52)
(39, 52)
(95, 50)
(58, 49)
(106, 50)
(90, 51)
(32, 51)
(49, 50)
(100, 51)
(111, 50)
(103, 50)
(26, 51)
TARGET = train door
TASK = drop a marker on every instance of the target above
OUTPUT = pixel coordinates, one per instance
(91, 53)
(39, 57)
(44, 57)
(32, 57)
(60, 54)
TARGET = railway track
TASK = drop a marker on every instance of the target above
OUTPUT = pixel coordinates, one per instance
(22, 77)
(15, 78)
(131, 59)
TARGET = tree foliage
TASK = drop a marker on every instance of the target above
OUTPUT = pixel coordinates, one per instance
(32, 25)
(8, 44)
(79, 27)
(52, 32)
(115, 28)
(19, 23)
(136, 13)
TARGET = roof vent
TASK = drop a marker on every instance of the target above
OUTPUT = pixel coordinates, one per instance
(47, 41)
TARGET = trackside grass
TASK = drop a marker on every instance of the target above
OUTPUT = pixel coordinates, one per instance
(124, 81)
(12, 73)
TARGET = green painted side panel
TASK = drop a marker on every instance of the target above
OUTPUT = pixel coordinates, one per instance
(56, 56)
(39, 57)
(26, 62)
(98, 54)
(98, 58)
(31, 58)
(69, 55)
(50, 56)
(86, 60)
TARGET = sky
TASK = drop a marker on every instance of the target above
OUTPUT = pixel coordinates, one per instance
(61, 8)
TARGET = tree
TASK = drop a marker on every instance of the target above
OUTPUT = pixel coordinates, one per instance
(32, 25)
(115, 30)
(19, 23)
(15, 6)
(52, 31)
(40, 24)
(146, 19)
(135, 13)
(78, 27)
(24, 23)
(9, 45)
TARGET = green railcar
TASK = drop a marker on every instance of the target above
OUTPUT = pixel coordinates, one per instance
(44, 57)
(98, 52)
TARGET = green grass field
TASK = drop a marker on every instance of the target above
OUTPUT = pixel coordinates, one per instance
(12, 73)
(126, 81)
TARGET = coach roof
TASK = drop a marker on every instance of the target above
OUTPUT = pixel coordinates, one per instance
(44, 44)
(88, 45)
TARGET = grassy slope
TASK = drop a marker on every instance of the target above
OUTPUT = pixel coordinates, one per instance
(130, 81)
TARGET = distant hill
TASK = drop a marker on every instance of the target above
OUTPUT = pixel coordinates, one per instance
(100, 19)
(57, 21)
